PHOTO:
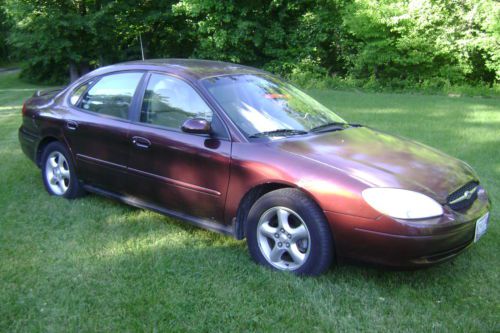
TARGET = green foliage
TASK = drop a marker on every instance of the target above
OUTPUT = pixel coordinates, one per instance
(54, 36)
(4, 30)
(49, 36)
(435, 86)
(386, 43)
(420, 40)
(279, 35)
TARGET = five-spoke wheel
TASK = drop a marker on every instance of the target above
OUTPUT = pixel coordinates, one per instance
(58, 173)
(283, 238)
(286, 230)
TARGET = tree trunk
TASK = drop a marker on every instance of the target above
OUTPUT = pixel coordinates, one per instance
(84, 69)
(73, 72)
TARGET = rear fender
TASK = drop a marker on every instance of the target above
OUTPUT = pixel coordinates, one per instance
(52, 134)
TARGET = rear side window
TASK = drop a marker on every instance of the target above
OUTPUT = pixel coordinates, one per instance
(78, 92)
(169, 102)
(111, 95)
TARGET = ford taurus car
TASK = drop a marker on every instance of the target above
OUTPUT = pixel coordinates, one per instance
(239, 151)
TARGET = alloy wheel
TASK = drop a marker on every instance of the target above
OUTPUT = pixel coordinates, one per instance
(283, 238)
(57, 173)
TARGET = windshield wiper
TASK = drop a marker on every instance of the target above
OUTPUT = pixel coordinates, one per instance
(333, 126)
(279, 132)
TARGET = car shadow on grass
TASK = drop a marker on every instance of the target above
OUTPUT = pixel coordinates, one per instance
(171, 234)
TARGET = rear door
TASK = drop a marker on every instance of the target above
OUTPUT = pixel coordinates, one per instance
(179, 171)
(97, 128)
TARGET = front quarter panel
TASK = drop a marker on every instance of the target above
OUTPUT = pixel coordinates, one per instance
(254, 164)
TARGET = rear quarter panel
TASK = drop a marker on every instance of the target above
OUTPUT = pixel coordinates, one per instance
(42, 120)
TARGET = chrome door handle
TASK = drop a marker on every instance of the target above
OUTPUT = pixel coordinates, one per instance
(71, 125)
(141, 142)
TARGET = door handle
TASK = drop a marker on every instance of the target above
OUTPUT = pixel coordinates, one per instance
(140, 142)
(71, 125)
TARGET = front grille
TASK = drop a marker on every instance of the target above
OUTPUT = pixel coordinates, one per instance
(464, 197)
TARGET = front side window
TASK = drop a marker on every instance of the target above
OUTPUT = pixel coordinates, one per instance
(169, 102)
(111, 95)
(260, 104)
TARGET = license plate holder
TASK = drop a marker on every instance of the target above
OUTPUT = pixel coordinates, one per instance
(481, 226)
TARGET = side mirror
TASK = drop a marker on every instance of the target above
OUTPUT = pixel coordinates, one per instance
(196, 126)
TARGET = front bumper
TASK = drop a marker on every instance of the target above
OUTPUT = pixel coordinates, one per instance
(394, 242)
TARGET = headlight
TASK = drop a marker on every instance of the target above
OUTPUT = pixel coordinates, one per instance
(402, 204)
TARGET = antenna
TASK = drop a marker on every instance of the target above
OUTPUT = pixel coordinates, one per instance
(142, 49)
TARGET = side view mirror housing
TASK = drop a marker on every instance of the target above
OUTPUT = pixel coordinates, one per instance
(196, 126)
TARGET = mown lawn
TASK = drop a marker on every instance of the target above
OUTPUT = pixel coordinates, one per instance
(97, 265)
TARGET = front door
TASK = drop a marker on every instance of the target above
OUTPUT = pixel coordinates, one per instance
(97, 128)
(187, 173)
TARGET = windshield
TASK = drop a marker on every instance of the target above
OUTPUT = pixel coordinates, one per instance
(261, 104)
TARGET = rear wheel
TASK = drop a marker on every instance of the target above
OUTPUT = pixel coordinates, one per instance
(287, 231)
(58, 172)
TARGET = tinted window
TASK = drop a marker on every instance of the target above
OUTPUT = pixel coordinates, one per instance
(112, 94)
(169, 102)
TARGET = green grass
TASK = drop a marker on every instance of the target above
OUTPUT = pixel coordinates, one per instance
(93, 264)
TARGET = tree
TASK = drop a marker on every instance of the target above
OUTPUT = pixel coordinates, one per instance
(423, 42)
(419, 40)
(5, 25)
(52, 37)
(55, 37)
(279, 35)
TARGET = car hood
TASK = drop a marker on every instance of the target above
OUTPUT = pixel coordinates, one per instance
(382, 160)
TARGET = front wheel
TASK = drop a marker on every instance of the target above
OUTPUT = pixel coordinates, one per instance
(58, 172)
(287, 231)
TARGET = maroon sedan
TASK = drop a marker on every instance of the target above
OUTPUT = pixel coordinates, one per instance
(236, 150)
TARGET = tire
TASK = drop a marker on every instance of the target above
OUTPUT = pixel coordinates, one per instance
(58, 173)
(287, 231)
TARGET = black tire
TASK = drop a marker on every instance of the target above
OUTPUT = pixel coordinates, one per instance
(321, 249)
(74, 188)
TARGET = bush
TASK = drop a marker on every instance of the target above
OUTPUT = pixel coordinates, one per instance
(436, 85)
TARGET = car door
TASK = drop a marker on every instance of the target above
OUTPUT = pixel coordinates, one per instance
(97, 128)
(187, 173)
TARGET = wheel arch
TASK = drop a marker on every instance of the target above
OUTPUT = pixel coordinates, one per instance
(41, 147)
(252, 195)
(44, 142)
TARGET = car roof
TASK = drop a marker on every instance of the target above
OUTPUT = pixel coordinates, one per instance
(195, 68)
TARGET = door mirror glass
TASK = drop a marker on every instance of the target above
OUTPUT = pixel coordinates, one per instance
(196, 126)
